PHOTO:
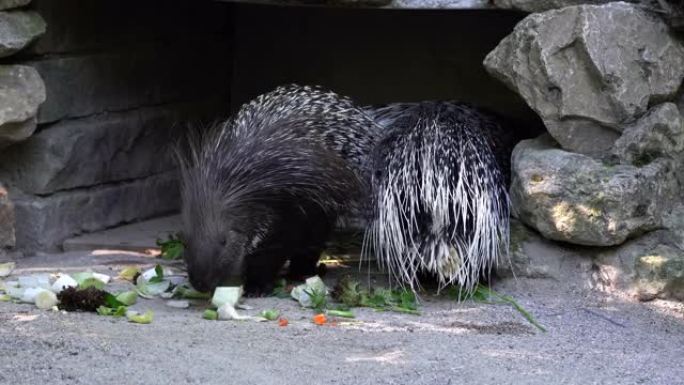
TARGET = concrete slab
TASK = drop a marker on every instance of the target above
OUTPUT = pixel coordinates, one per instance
(590, 339)
(139, 236)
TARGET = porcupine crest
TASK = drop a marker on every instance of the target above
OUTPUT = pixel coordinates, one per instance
(439, 191)
(291, 149)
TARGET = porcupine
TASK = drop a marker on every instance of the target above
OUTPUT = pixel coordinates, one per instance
(269, 184)
(439, 190)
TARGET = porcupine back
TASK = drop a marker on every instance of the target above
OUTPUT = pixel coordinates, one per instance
(290, 161)
(440, 201)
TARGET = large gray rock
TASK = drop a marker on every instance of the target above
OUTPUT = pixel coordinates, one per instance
(105, 148)
(660, 133)
(8, 4)
(43, 223)
(543, 5)
(21, 92)
(18, 29)
(399, 4)
(6, 220)
(588, 70)
(660, 273)
(574, 198)
(531, 256)
(152, 75)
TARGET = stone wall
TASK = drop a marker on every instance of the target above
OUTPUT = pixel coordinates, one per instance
(605, 80)
(99, 97)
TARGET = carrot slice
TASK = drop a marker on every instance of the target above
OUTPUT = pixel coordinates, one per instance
(319, 319)
(282, 322)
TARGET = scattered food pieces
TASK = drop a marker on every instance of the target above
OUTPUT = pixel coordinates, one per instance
(211, 315)
(35, 281)
(351, 294)
(5, 298)
(45, 299)
(7, 268)
(127, 298)
(88, 278)
(74, 299)
(129, 273)
(102, 277)
(187, 292)
(348, 291)
(148, 288)
(312, 293)
(226, 295)
(271, 314)
(172, 248)
(91, 282)
(63, 282)
(340, 313)
(320, 319)
(119, 311)
(178, 304)
(283, 322)
(135, 317)
(228, 312)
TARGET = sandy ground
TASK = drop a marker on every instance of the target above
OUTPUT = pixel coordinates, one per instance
(590, 340)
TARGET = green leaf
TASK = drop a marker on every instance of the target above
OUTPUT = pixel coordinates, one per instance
(112, 301)
(140, 318)
(186, 292)
(319, 300)
(81, 277)
(129, 273)
(485, 294)
(118, 311)
(159, 274)
(522, 311)
(127, 298)
(150, 289)
(91, 282)
(172, 248)
(340, 313)
(407, 300)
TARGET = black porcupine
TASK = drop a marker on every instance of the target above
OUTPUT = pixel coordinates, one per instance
(269, 184)
(440, 202)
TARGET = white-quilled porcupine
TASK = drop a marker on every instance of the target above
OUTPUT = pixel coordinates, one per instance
(268, 185)
(440, 205)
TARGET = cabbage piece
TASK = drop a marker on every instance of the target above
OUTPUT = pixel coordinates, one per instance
(127, 298)
(46, 299)
(7, 268)
(226, 295)
(63, 282)
(135, 317)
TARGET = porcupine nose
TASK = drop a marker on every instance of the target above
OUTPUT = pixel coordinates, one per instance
(204, 280)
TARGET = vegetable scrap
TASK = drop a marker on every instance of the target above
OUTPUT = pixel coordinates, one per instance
(171, 248)
(320, 319)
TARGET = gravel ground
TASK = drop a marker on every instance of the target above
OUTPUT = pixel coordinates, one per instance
(591, 339)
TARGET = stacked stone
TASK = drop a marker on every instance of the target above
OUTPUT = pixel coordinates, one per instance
(21, 92)
(121, 83)
(604, 79)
